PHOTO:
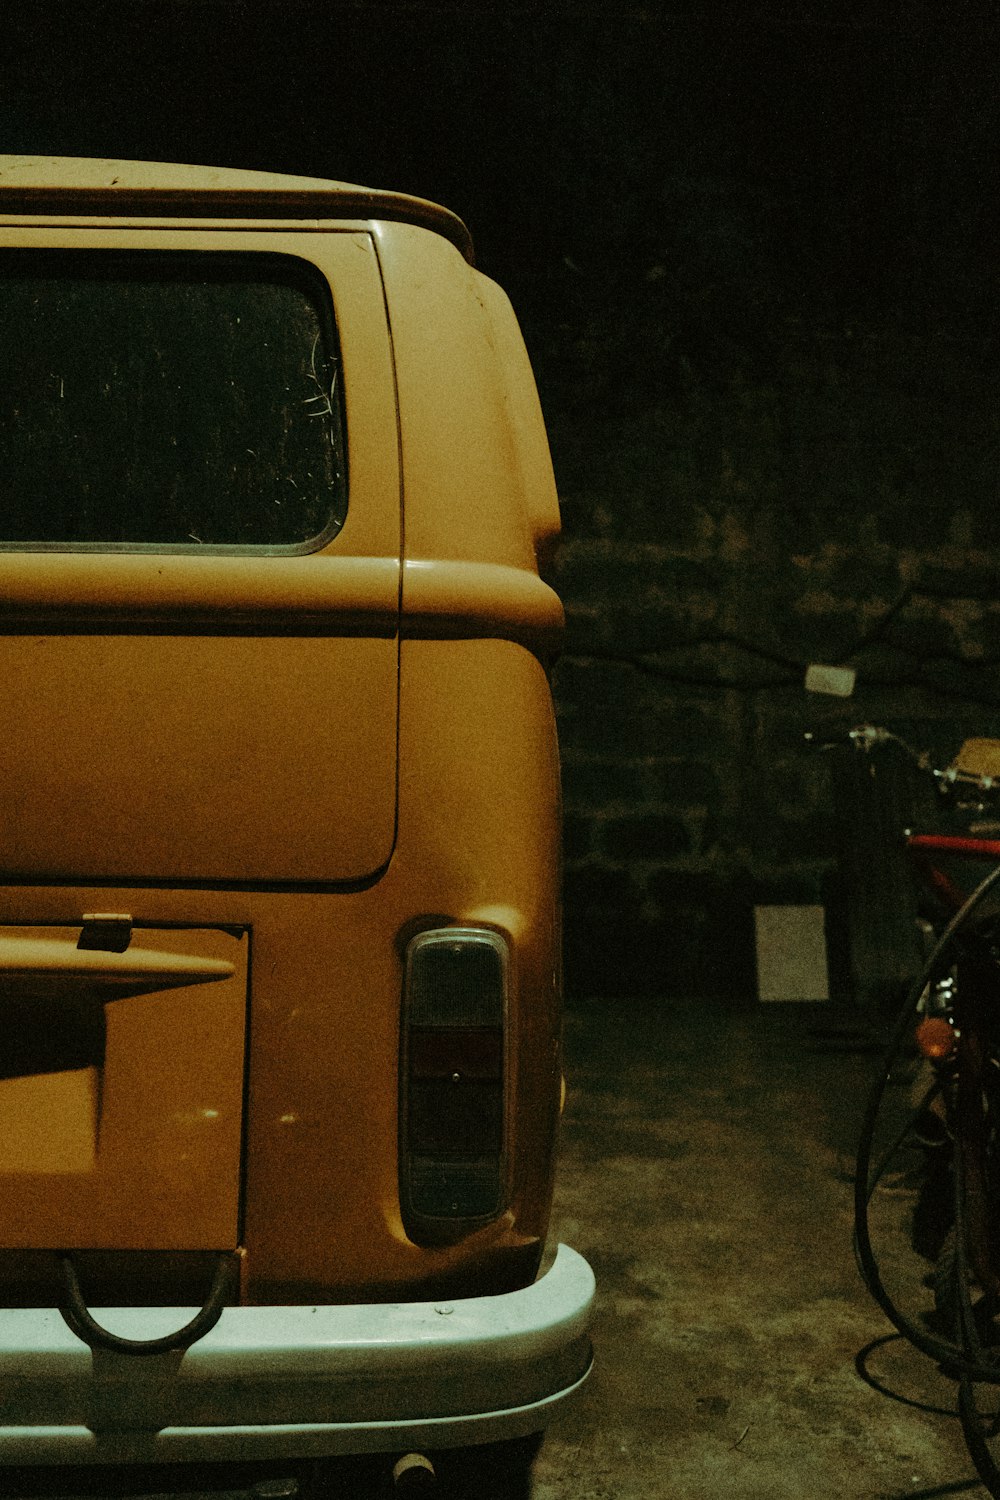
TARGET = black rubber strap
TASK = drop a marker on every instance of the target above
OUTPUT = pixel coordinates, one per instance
(77, 1315)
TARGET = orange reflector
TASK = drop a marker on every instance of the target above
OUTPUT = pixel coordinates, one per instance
(936, 1037)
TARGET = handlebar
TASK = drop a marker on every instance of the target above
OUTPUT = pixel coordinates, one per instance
(867, 737)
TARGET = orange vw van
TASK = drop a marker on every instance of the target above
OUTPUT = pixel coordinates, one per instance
(280, 1073)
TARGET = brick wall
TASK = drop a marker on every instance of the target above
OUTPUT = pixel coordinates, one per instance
(753, 250)
(836, 504)
(756, 275)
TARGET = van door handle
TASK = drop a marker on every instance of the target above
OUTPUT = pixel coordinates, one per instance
(56, 969)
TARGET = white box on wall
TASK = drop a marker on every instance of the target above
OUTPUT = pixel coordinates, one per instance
(791, 953)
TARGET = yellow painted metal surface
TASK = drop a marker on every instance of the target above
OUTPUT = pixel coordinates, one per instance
(478, 844)
(327, 751)
(465, 470)
(142, 1148)
(46, 967)
(197, 757)
(75, 186)
(204, 752)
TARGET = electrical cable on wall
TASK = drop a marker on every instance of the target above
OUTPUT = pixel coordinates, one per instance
(791, 668)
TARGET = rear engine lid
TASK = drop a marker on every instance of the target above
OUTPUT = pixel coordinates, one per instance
(121, 1090)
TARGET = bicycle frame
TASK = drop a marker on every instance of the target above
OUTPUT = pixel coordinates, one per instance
(970, 1084)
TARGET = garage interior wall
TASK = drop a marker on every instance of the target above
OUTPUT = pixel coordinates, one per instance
(753, 258)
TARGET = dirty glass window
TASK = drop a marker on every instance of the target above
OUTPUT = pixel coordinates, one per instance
(168, 401)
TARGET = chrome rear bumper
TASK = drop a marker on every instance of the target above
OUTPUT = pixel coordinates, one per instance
(296, 1382)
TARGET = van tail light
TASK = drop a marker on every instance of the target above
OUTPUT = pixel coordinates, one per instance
(453, 1081)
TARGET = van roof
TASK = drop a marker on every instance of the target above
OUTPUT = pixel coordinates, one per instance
(76, 185)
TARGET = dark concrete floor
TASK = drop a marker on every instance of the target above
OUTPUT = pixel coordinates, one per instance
(705, 1173)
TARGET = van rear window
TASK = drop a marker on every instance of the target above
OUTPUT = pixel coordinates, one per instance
(168, 401)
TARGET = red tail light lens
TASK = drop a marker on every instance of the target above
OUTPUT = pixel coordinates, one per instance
(453, 1079)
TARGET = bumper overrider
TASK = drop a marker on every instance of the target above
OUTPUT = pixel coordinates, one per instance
(298, 1382)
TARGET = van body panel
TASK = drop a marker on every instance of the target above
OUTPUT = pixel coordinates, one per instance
(215, 755)
(291, 761)
(121, 1101)
(75, 186)
(461, 857)
(466, 601)
(465, 496)
(320, 1145)
(197, 758)
(331, 595)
